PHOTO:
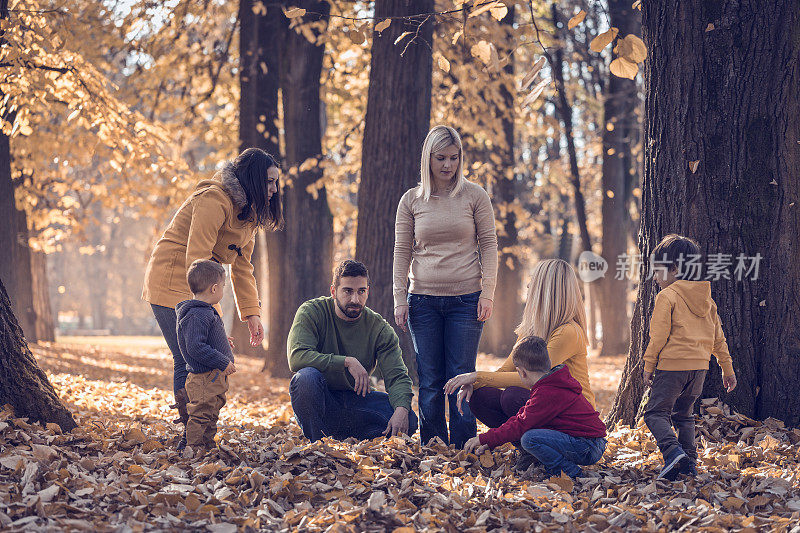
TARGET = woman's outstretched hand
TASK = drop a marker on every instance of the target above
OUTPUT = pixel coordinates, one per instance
(401, 317)
(256, 330)
(457, 382)
(464, 393)
(485, 307)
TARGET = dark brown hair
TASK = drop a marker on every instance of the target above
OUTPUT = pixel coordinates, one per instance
(250, 168)
(531, 354)
(203, 273)
(673, 251)
(349, 269)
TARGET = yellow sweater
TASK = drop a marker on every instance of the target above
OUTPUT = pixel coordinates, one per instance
(206, 226)
(685, 330)
(567, 345)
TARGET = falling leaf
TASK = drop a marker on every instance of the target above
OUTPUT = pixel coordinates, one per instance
(482, 50)
(710, 27)
(577, 19)
(632, 48)
(531, 75)
(379, 27)
(443, 63)
(623, 68)
(499, 12)
(356, 37)
(535, 92)
(259, 8)
(693, 165)
(637, 5)
(604, 39)
(401, 37)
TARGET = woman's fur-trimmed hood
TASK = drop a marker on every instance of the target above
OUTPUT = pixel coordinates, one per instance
(230, 184)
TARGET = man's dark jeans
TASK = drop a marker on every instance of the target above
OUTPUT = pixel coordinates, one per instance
(167, 321)
(446, 333)
(322, 412)
(672, 397)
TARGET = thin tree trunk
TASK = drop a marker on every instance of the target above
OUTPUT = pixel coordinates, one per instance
(619, 109)
(397, 120)
(23, 385)
(45, 324)
(742, 197)
(498, 336)
(306, 250)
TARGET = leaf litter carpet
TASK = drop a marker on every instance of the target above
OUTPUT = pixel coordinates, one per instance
(118, 470)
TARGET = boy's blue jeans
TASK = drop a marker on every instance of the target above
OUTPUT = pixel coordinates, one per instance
(446, 333)
(322, 412)
(559, 452)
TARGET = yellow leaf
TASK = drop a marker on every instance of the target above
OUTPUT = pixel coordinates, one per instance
(294, 12)
(710, 27)
(484, 8)
(458, 34)
(444, 64)
(693, 165)
(623, 68)
(603, 40)
(577, 19)
(482, 51)
(499, 12)
(637, 5)
(356, 37)
(534, 94)
(632, 48)
(379, 27)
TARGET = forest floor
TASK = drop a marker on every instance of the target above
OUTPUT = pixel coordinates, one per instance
(118, 472)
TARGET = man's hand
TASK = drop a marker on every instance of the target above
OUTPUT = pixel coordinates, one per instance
(459, 381)
(474, 445)
(230, 342)
(729, 382)
(648, 377)
(398, 423)
(485, 307)
(256, 330)
(464, 393)
(230, 369)
(401, 317)
(358, 372)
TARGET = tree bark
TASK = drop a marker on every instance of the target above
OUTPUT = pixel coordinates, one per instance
(619, 107)
(498, 335)
(45, 323)
(23, 384)
(259, 56)
(306, 246)
(727, 97)
(396, 123)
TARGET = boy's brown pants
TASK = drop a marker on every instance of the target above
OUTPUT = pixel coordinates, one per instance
(206, 397)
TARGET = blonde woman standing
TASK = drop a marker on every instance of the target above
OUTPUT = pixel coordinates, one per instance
(445, 269)
(554, 311)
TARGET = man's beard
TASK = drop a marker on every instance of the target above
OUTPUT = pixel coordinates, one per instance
(351, 311)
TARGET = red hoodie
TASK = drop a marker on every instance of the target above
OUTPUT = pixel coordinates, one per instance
(556, 403)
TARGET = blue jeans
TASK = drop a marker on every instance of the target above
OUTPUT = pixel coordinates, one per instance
(559, 452)
(446, 333)
(168, 322)
(322, 412)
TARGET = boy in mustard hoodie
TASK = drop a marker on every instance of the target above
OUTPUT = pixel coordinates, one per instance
(684, 331)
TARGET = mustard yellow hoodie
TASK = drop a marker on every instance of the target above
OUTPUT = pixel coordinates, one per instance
(685, 330)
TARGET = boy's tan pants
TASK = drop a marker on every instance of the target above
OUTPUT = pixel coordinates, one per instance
(206, 397)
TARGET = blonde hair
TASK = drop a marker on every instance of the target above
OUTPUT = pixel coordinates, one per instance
(554, 299)
(439, 138)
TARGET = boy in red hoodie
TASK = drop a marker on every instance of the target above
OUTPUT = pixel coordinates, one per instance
(557, 425)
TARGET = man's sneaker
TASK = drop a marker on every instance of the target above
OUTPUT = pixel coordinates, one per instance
(690, 469)
(674, 463)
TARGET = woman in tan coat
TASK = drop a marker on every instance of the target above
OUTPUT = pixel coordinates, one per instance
(218, 221)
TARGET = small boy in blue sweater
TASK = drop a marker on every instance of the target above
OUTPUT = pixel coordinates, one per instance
(205, 347)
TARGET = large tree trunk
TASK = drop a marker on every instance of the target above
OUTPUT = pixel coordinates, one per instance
(397, 120)
(498, 335)
(729, 99)
(22, 382)
(306, 248)
(619, 109)
(258, 109)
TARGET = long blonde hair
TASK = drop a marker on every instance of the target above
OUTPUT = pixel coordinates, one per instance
(439, 138)
(554, 299)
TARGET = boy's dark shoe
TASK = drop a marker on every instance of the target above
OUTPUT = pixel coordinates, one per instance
(182, 442)
(690, 469)
(524, 461)
(674, 463)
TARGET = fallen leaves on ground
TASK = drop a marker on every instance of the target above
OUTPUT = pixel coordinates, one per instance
(119, 470)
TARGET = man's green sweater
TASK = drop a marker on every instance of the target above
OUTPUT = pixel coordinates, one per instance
(321, 340)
